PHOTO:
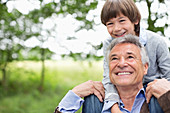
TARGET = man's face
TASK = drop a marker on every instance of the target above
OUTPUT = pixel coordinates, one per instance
(125, 65)
(120, 26)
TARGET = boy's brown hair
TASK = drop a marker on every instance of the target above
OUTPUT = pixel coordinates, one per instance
(113, 8)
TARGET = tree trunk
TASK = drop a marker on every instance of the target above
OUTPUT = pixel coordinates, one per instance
(4, 81)
(42, 70)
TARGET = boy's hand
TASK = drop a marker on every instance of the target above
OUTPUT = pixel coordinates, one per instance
(115, 109)
(90, 87)
(157, 88)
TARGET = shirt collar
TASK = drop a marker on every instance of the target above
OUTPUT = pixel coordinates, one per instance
(142, 36)
(140, 94)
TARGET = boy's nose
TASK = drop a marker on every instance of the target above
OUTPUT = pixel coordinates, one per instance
(116, 27)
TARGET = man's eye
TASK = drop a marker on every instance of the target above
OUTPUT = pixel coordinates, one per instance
(114, 58)
(130, 57)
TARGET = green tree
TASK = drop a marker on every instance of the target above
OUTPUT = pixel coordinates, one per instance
(79, 8)
(154, 17)
(16, 28)
(9, 30)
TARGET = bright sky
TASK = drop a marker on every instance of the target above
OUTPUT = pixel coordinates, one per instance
(66, 26)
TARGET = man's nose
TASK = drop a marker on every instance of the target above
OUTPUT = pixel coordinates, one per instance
(122, 63)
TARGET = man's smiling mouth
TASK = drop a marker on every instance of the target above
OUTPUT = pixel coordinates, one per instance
(124, 73)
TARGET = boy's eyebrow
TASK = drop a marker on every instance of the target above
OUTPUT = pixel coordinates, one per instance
(121, 17)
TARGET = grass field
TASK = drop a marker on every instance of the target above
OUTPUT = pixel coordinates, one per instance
(22, 95)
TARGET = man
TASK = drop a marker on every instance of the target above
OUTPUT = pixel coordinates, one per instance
(128, 63)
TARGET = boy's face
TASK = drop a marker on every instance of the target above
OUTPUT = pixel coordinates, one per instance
(120, 26)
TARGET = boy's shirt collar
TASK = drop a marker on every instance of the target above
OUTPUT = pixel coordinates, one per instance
(142, 36)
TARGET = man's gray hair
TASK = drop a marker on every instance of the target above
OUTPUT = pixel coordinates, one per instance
(132, 39)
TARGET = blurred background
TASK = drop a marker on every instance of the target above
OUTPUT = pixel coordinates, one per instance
(49, 46)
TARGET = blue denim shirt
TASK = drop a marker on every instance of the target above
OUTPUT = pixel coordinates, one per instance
(140, 98)
(71, 103)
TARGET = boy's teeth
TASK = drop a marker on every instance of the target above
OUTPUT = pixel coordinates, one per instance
(124, 73)
(120, 34)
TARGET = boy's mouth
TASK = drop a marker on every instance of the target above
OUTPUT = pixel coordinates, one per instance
(120, 35)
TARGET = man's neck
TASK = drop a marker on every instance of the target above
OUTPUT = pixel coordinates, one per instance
(128, 94)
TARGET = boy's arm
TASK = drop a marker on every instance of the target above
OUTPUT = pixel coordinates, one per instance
(110, 90)
(163, 59)
(158, 87)
(111, 95)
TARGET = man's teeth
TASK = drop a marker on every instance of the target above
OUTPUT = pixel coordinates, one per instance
(124, 73)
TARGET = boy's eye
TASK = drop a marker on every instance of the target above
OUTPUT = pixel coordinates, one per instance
(109, 23)
(122, 20)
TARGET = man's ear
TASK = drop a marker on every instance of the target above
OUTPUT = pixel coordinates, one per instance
(145, 68)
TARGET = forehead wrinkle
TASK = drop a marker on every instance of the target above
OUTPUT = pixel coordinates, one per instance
(129, 53)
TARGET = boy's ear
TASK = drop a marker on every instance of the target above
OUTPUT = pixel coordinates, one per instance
(137, 21)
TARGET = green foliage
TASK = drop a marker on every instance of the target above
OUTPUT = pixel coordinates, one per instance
(151, 22)
(34, 54)
(22, 95)
(15, 25)
(79, 8)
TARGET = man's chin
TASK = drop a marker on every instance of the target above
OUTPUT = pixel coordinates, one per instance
(123, 84)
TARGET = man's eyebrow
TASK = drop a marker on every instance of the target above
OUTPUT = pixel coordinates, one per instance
(131, 53)
(113, 55)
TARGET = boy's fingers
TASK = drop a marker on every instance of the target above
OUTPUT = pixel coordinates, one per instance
(149, 92)
(99, 87)
(98, 94)
(148, 97)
